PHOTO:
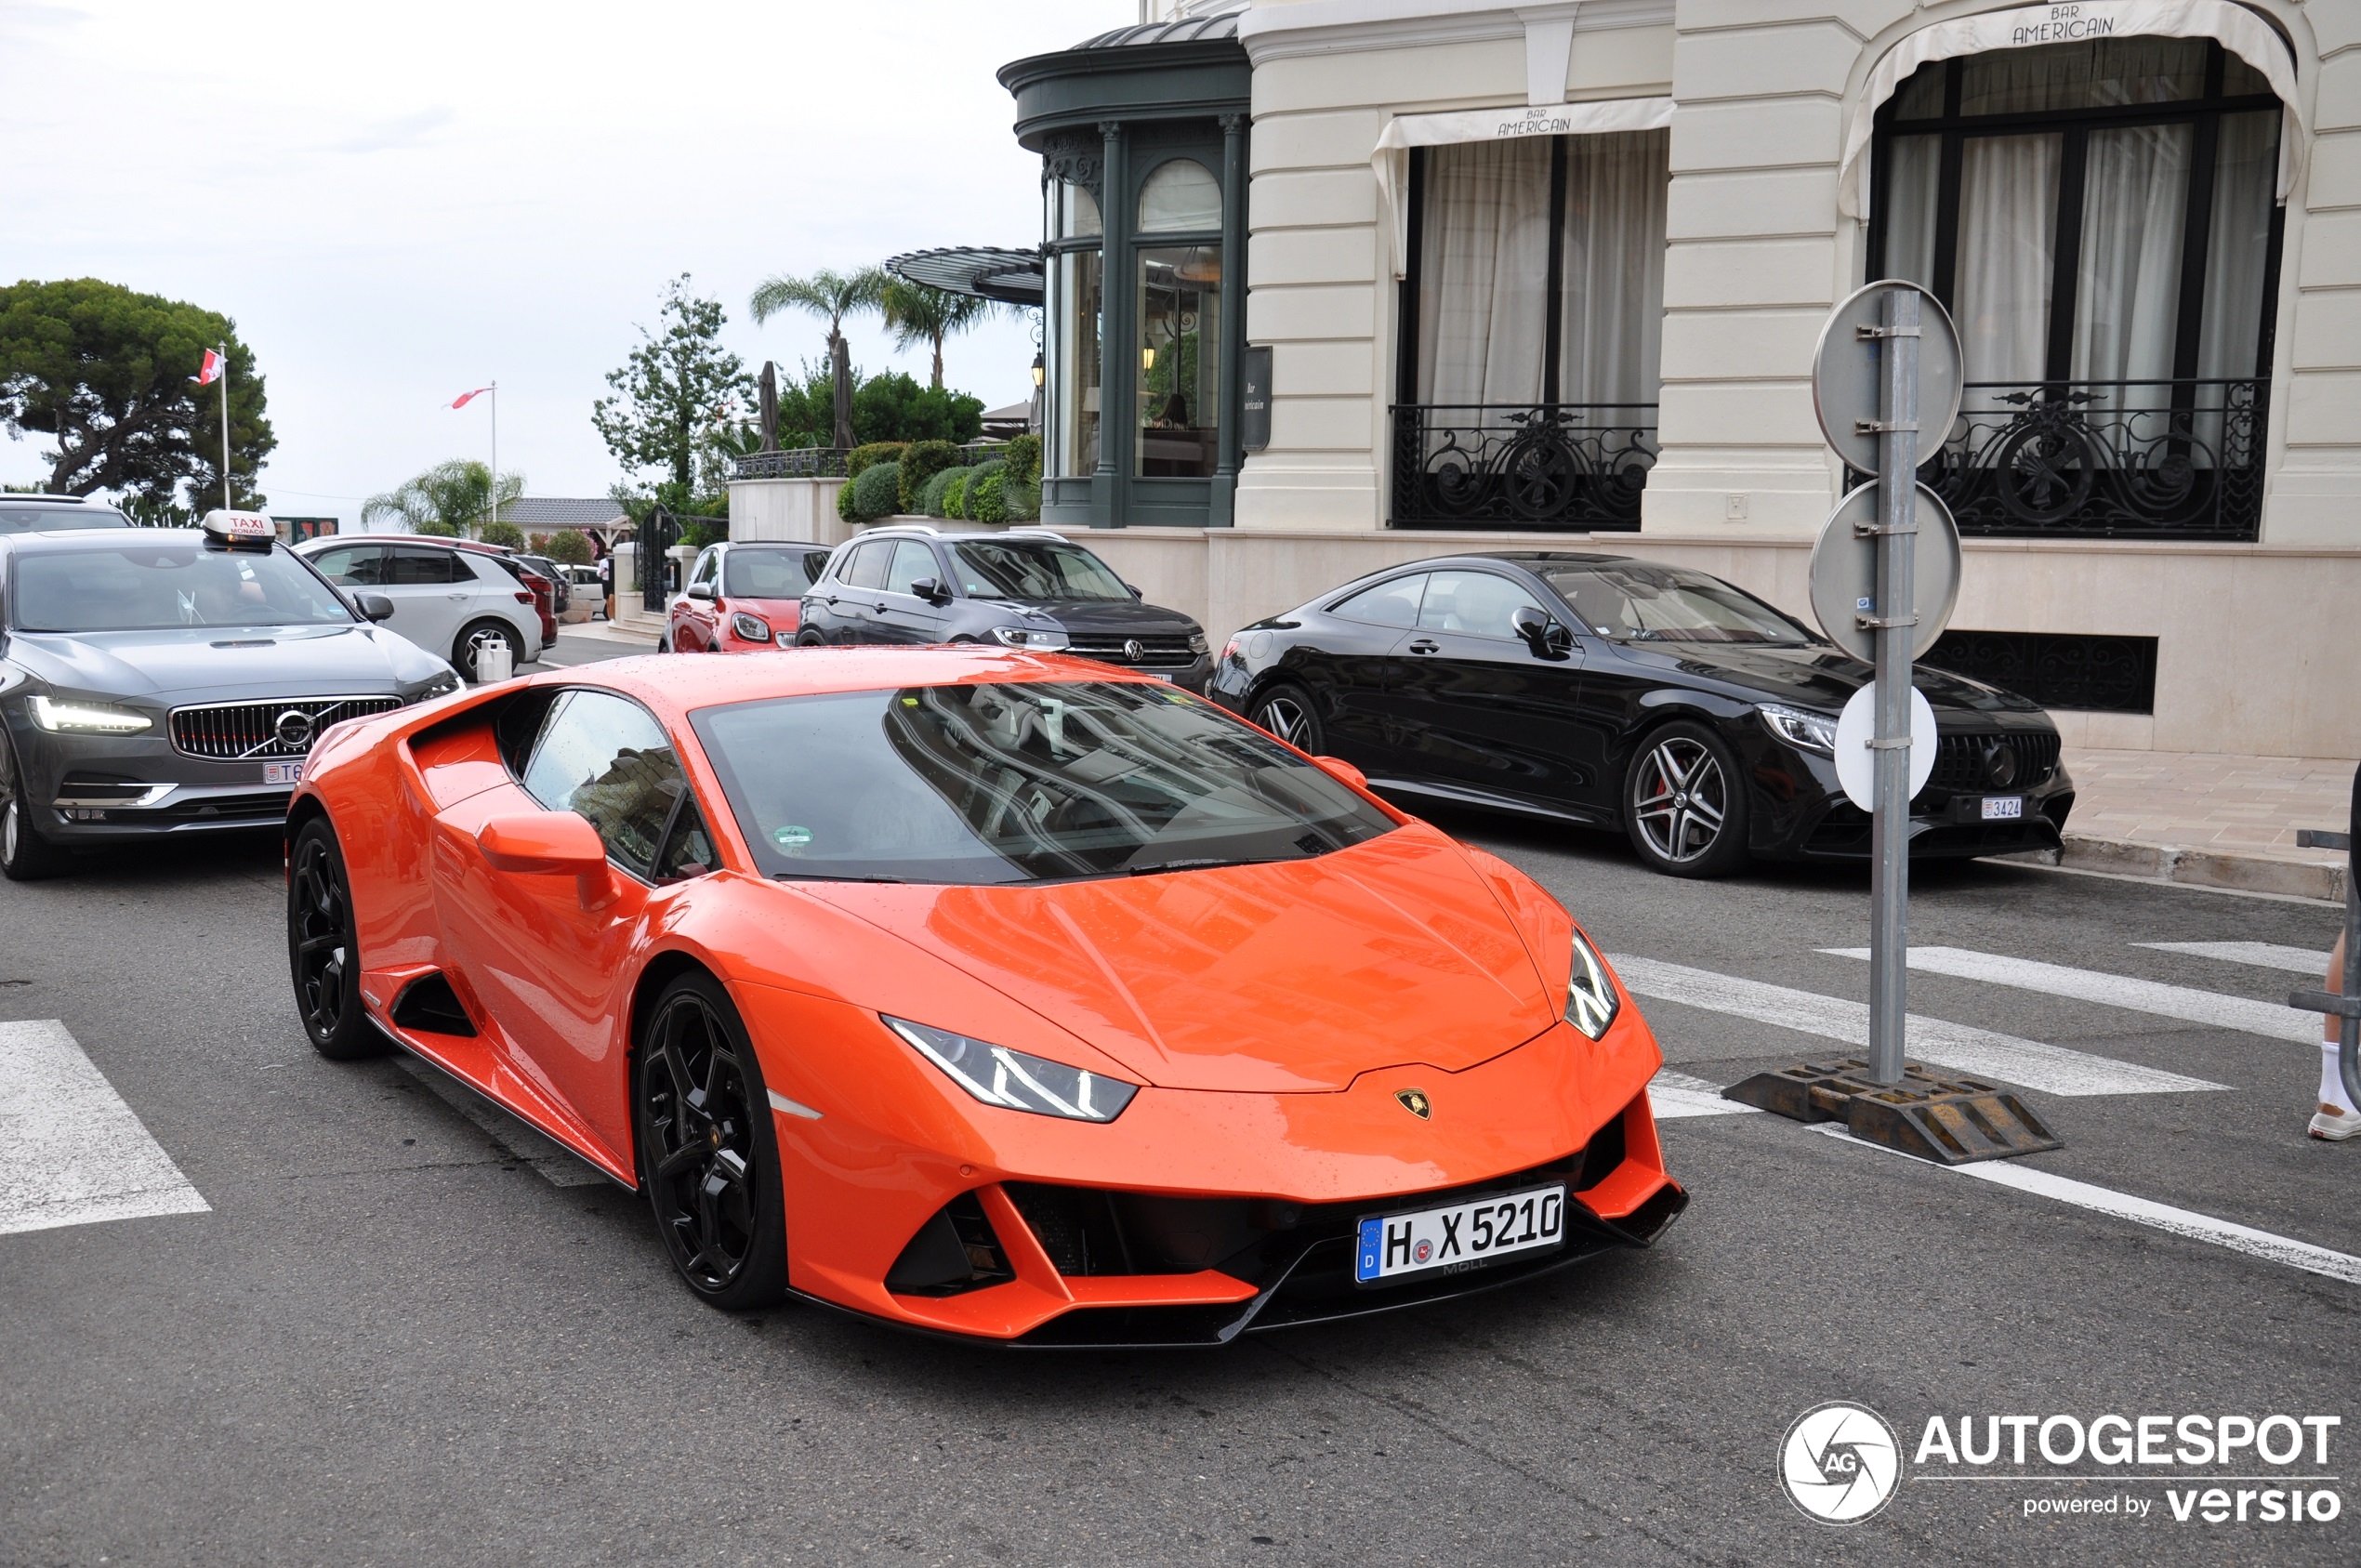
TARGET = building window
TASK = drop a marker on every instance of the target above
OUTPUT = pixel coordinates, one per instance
(2100, 219)
(1180, 197)
(1533, 321)
(1070, 319)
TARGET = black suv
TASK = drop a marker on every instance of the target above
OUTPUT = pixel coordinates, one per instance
(1027, 588)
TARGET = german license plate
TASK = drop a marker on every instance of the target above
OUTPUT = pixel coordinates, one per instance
(283, 772)
(1457, 1237)
(2003, 808)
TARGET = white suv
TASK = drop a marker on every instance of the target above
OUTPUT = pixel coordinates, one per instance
(451, 601)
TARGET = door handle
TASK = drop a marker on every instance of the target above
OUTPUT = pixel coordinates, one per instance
(1423, 646)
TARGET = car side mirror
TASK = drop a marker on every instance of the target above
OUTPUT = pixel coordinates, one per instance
(1542, 633)
(550, 844)
(373, 606)
(1339, 768)
(932, 590)
(1135, 592)
(701, 590)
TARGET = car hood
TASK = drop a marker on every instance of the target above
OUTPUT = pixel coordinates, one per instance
(1296, 977)
(1818, 677)
(1102, 615)
(226, 662)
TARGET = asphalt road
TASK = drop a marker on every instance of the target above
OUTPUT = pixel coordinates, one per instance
(395, 1337)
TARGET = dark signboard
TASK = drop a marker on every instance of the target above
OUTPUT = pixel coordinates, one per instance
(1254, 413)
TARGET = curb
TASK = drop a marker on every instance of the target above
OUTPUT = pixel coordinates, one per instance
(2322, 879)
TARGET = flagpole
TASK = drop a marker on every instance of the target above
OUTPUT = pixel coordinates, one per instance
(225, 505)
(495, 452)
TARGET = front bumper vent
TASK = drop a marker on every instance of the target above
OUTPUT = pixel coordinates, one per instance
(953, 1253)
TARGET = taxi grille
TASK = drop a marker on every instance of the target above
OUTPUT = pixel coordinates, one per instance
(246, 731)
(1154, 652)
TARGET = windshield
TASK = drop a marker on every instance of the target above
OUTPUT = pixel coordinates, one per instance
(759, 573)
(1023, 781)
(1636, 602)
(1007, 569)
(145, 587)
(33, 520)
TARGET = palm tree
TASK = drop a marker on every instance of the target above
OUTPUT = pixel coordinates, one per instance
(917, 313)
(835, 296)
(444, 500)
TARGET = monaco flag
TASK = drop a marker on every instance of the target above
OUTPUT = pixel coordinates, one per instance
(210, 371)
(464, 397)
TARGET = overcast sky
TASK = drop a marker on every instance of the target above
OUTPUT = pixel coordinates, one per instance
(397, 204)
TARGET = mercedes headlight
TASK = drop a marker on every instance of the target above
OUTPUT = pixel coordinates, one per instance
(754, 628)
(1031, 640)
(1805, 732)
(1015, 1081)
(1591, 1002)
(87, 719)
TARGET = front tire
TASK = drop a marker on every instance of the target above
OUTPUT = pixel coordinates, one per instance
(1686, 803)
(479, 635)
(1285, 710)
(25, 856)
(708, 1157)
(324, 953)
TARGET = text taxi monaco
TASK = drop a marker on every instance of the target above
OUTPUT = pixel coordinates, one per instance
(162, 681)
(992, 993)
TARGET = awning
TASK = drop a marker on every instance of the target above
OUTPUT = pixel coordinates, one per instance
(1391, 159)
(1012, 277)
(2028, 27)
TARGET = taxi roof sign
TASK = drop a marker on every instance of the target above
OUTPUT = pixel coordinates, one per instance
(241, 528)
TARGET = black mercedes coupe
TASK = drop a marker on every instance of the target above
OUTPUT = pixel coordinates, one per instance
(1615, 693)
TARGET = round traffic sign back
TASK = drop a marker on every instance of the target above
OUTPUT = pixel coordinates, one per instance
(1858, 762)
(1844, 573)
(1846, 370)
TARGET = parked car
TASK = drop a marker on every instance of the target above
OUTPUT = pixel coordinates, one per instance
(589, 592)
(34, 514)
(172, 682)
(987, 995)
(450, 599)
(1615, 693)
(542, 585)
(1027, 588)
(743, 598)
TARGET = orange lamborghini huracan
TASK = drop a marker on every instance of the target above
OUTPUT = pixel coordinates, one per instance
(990, 993)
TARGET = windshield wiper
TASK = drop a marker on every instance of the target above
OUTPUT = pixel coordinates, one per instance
(1204, 862)
(826, 877)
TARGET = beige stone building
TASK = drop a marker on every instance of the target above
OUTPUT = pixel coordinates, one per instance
(1553, 275)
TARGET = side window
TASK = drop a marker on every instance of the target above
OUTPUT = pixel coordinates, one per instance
(867, 567)
(688, 848)
(1393, 604)
(708, 567)
(912, 561)
(814, 563)
(412, 565)
(352, 566)
(1475, 602)
(604, 757)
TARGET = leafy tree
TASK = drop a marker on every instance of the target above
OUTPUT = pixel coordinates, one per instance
(833, 296)
(501, 532)
(894, 407)
(916, 313)
(678, 390)
(446, 501)
(567, 548)
(110, 374)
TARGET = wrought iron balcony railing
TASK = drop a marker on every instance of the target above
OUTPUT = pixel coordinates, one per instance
(803, 462)
(2105, 459)
(1578, 467)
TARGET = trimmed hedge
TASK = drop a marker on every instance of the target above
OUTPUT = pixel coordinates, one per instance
(1025, 460)
(985, 500)
(878, 491)
(955, 495)
(861, 457)
(931, 500)
(921, 463)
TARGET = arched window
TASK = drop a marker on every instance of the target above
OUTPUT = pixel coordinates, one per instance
(1180, 196)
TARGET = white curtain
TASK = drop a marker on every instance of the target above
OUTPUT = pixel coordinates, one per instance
(2245, 162)
(1613, 286)
(2008, 235)
(1482, 271)
(2135, 196)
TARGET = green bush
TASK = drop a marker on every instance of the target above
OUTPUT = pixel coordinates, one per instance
(980, 472)
(844, 502)
(862, 457)
(920, 464)
(894, 407)
(985, 500)
(1023, 502)
(878, 491)
(501, 532)
(930, 500)
(1025, 460)
(955, 495)
(566, 548)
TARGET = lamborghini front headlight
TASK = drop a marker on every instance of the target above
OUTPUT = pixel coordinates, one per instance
(1014, 1080)
(1591, 1000)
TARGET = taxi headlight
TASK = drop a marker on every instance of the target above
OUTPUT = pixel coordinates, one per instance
(87, 719)
(754, 628)
(1591, 1001)
(1032, 639)
(1015, 1081)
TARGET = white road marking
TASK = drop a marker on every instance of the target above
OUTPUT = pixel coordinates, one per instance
(2262, 954)
(550, 1160)
(72, 1152)
(2272, 1019)
(1673, 1095)
(1963, 1047)
(2123, 1205)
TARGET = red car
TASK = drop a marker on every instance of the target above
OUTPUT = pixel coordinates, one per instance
(743, 599)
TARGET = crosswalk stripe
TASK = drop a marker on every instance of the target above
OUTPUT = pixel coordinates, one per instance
(1674, 1095)
(2272, 1019)
(2123, 1205)
(2262, 954)
(1960, 1046)
(72, 1152)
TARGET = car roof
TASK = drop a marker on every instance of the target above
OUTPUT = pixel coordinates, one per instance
(68, 538)
(678, 686)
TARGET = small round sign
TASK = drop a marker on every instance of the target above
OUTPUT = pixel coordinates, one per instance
(1846, 368)
(1858, 762)
(1844, 573)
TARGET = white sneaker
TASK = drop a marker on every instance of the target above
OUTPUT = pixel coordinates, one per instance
(2335, 1127)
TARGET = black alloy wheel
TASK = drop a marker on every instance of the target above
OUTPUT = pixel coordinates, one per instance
(707, 1156)
(1285, 710)
(324, 956)
(25, 856)
(480, 635)
(1685, 804)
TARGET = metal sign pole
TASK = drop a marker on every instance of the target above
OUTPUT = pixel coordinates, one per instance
(1897, 629)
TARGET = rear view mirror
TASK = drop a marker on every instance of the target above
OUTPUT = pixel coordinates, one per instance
(1542, 633)
(373, 606)
(932, 590)
(1135, 592)
(701, 590)
(550, 844)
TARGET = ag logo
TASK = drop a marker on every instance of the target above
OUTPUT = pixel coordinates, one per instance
(1841, 1463)
(1415, 1103)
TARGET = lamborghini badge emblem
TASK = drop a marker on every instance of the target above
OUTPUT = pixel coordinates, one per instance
(1415, 1103)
